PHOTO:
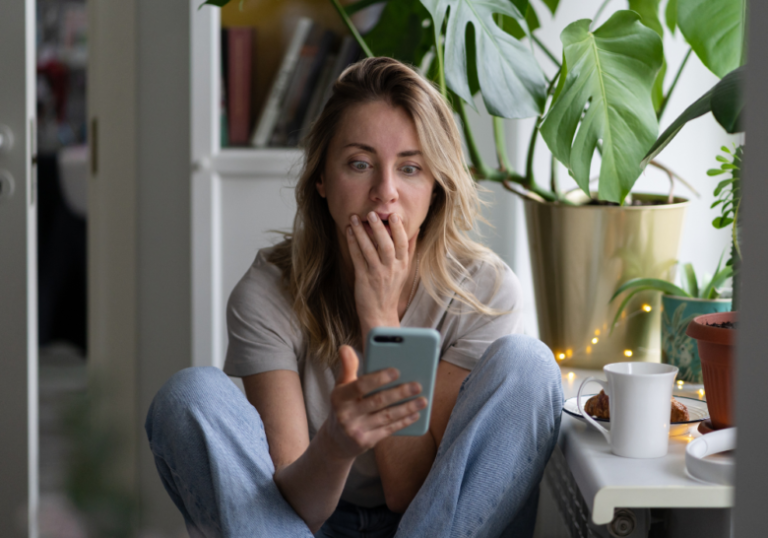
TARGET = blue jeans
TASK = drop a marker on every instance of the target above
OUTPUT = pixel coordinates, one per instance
(212, 455)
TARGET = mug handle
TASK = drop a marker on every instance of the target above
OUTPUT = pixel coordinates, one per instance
(589, 419)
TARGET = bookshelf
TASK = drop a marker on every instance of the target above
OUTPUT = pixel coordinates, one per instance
(238, 193)
(274, 21)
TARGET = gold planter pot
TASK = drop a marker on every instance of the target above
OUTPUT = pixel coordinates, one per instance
(580, 255)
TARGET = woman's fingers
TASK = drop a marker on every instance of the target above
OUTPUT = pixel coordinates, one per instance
(391, 415)
(367, 383)
(385, 398)
(358, 258)
(399, 236)
(381, 236)
(364, 242)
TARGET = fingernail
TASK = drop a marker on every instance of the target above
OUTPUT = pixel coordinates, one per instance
(393, 218)
(415, 388)
(421, 403)
(349, 230)
(355, 220)
(372, 216)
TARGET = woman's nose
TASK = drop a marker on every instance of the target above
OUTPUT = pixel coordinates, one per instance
(384, 188)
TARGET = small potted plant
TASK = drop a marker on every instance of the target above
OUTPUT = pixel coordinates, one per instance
(680, 305)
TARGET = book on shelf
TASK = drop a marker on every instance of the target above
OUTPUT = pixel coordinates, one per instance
(270, 112)
(239, 66)
(308, 69)
(349, 52)
(316, 104)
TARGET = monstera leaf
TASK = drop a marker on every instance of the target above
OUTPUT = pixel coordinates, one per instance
(610, 72)
(715, 31)
(511, 80)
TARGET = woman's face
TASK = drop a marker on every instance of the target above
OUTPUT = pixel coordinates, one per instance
(375, 163)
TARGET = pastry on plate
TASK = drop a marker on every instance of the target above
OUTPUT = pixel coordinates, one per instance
(598, 406)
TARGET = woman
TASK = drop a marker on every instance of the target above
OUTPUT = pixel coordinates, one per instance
(381, 238)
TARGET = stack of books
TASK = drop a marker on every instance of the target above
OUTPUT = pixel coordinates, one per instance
(313, 61)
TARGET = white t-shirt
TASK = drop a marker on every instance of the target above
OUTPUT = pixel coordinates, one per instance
(264, 335)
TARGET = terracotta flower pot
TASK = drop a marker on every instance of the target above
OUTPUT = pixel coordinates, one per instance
(716, 347)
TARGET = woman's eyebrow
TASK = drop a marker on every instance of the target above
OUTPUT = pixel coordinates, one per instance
(369, 149)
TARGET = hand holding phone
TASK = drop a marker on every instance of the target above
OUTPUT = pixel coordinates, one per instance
(415, 353)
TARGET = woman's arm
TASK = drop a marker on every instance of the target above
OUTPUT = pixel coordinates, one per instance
(311, 475)
(404, 462)
(309, 481)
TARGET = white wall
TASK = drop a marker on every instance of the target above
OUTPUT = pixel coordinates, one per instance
(690, 155)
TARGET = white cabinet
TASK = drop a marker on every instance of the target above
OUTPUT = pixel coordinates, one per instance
(238, 197)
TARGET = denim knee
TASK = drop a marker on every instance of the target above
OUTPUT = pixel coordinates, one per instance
(187, 389)
(525, 364)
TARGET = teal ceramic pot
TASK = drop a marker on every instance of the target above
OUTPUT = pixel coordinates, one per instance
(677, 348)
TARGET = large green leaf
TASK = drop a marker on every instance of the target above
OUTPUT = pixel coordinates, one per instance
(512, 83)
(715, 31)
(411, 40)
(726, 107)
(610, 73)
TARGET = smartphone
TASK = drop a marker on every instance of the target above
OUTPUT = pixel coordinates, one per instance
(415, 353)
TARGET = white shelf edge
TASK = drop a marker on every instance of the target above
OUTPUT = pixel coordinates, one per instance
(270, 162)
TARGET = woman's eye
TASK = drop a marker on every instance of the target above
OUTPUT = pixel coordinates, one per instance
(409, 170)
(360, 165)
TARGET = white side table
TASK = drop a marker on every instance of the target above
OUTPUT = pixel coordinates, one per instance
(608, 482)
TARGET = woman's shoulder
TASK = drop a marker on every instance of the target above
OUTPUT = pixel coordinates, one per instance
(262, 283)
(489, 277)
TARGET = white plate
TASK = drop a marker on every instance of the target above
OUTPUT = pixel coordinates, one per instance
(697, 411)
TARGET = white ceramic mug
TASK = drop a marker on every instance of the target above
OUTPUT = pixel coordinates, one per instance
(640, 395)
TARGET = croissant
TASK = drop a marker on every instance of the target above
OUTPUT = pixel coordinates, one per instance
(598, 407)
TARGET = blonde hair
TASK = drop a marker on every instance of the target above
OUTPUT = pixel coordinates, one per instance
(308, 258)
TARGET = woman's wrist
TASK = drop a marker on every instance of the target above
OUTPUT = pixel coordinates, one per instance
(331, 450)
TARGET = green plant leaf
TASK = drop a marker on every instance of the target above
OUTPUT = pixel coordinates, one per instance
(728, 100)
(723, 184)
(651, 284)
(690, 278)
(611, 71)
(217, 3)
(699, 107)
(649, 14)
(511, 26)
(715, 172)
(657, 93)
(411, 41)
(715, 31)
(552, 5)
(512, 83)
(721, 275)
(671, 15)
(721, 222)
